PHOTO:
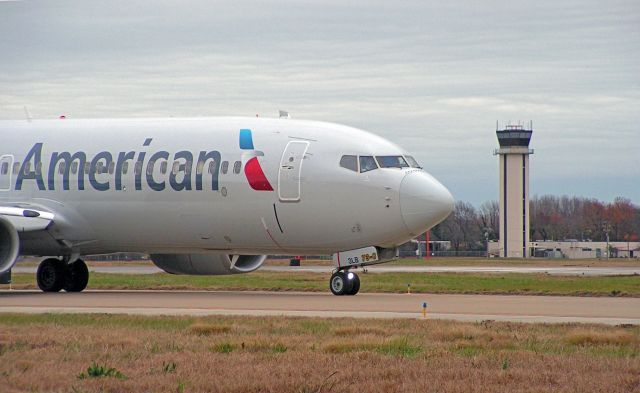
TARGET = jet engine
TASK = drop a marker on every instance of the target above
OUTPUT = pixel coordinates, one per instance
(207, 264)
(9, 245)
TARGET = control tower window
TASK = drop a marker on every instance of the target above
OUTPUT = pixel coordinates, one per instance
(392, 162)
(412, 161)
(367, 163)
(349, 162)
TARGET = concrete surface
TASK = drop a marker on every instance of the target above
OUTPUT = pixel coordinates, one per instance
(552, 309)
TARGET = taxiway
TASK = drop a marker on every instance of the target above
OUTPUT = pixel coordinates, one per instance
(550, 309)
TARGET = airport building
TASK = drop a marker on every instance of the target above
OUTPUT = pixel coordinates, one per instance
(514, 190)
(574, 249)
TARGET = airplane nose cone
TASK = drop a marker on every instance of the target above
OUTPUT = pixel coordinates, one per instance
(424, 202)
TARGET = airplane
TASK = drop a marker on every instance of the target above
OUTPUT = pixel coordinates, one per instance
(207, 196)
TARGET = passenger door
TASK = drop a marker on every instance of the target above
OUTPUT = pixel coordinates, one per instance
(289, 175)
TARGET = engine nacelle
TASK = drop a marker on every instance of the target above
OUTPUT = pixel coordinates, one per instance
(9, 245)
(207, 264)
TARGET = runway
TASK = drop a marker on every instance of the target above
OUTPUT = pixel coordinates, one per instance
(561, 270)
(549, 309)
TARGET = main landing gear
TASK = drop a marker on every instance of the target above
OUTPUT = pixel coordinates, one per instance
(344, 282)
(56, 274)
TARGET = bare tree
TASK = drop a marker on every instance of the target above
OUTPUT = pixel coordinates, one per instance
(552, 218)
(489, 216)
(461, 227)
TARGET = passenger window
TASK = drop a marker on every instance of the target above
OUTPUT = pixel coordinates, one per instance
(150, 168)
(16, 168)
(61, 167)
(199, 167)
(138, 168)
(187, 167)
(349, 162)
(87, 168)
(112, 167)
(367, 163)
(176, 167)
(225, 166)
(74, 167)
(212, 167)
(412, 161)
(163, 167)
(5, 168)
(125, 168)
(39, 168)
(392, 162)
(27, 168)
(236, 167)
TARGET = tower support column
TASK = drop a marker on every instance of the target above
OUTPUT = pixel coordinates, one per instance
(514, 190)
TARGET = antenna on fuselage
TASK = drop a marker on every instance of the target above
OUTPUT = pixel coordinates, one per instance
(27, 114)
(284, 115)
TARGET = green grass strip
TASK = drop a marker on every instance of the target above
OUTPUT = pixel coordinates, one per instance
(508, 283)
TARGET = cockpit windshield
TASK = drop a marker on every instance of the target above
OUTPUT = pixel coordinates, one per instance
(367, 163)
(392, 162)
(412, 161)
(350, 162)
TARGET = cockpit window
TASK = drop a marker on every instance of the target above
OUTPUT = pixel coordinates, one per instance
(412, 161)
(392, 162)
(349, 162)
(367, 163)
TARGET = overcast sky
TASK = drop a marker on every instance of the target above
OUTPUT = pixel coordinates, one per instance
(432, 76)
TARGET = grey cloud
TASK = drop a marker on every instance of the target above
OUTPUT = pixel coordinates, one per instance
(433, 77)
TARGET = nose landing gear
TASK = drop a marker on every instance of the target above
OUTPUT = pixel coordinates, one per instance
(344, 282)
(55, 274)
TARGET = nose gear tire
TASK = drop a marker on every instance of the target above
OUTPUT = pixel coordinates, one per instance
(355, 285)
(339, 284)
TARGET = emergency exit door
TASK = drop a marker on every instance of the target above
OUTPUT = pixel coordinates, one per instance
(289, 175)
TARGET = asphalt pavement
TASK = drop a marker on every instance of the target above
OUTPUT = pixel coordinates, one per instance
(548, 309)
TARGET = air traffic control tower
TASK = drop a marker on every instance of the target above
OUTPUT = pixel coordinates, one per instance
(514, 190)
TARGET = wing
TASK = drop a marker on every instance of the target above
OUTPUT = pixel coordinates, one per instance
(25, 219)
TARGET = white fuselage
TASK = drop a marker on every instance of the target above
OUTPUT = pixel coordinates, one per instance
(184, 201)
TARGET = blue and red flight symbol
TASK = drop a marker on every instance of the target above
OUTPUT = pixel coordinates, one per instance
(252, 169)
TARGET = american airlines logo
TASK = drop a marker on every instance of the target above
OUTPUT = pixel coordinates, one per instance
(252, 169)
(105, 170)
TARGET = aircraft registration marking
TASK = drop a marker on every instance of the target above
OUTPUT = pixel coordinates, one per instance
(361, 256)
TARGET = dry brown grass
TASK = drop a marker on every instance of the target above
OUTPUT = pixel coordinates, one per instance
(277, 354)
(208, 329)
(593, 337)
(358, 331)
